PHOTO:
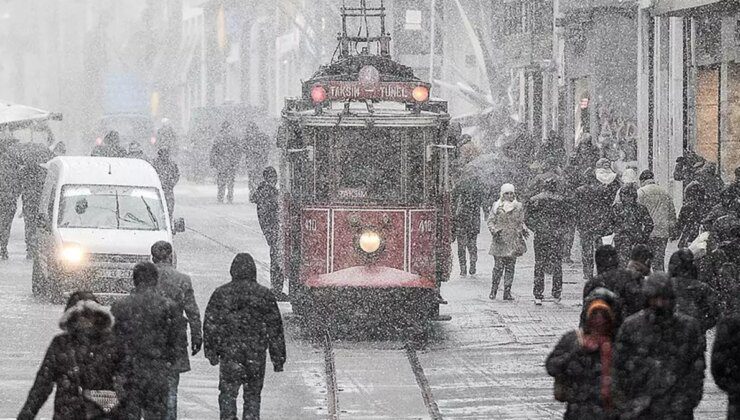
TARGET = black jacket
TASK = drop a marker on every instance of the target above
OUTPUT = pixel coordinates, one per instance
(631, 224)
(594, 203)
(268, 210)
(548, 215)
(658, 370)
(169, 173)
(226, 153)
(94, 353)
(697, 300)
(625, 284)
(694, 209)
(467, 201)
(241, 322)
(726, 358)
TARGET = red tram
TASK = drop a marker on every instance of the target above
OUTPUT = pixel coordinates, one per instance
(365, 183)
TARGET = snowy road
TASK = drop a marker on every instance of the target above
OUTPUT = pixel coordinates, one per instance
(488, 362)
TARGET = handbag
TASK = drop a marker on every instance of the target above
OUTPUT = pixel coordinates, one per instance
(98, 402)
(520, 247)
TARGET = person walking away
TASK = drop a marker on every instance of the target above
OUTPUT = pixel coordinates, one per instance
(726, 357)
(548, 215)
(720, 268)
(83, 358)
(242, 321)
(659, 359)
(178, 288)
(640, 260)
(708, 177)
(581, 362)
(32, 176)
(631, 223)
(169, 175)
(225, 157)
(695, 208)
(110, 147)
(147, 336)
(267, 199)
(593, 201)
(467, 201)
(10, 191)
(693, 298)
(166, 135)
(626, 284)
(506, 224)
(659, 203)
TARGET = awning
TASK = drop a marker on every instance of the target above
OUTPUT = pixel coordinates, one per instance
(15, 116)
(687, 7)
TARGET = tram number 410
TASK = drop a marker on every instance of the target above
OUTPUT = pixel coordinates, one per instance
(310, 225)
(426, 226)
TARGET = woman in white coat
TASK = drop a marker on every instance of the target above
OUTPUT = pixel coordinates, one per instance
(506, 223)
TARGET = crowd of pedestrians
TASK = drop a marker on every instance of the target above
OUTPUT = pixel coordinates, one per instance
(125, 362)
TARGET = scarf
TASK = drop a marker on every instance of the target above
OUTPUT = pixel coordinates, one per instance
(605, 176)
(602, 343)
(507, 206)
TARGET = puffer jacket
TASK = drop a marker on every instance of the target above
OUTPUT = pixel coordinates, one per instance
(660, 206)
(506, 231)
(697, 300)
(726, 361)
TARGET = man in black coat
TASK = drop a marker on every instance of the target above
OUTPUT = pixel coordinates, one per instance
(548, 215)
(726, 357)
(242, 321)
(145, 328)
(169, 176)
(10, 190)
(631, 223)
(467, 202)
(659, 360)
(225, 156)
(693, 298)
(178, 287)
(267, 199)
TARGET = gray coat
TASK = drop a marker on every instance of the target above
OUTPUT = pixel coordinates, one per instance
(178, 287)
(506, 231)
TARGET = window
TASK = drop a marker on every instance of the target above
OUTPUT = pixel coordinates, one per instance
(111, 207)
(413, 20)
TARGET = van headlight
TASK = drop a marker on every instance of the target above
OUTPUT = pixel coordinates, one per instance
(370, 241)
(72, 254)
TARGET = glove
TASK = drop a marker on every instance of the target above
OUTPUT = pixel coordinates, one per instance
(213, 361)
(699, 246)
(278, 368)
(197, 344)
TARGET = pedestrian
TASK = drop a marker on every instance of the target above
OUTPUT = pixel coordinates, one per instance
(10, 191)
(267, 198)
(135, 151)
(225, 157)
(548, 215)
(83, 362)
(581, 362)
(631, 223)
(242, 321)
(726, 358)
(727, 206)
(169, 175)
(708, 177)
(659, 204)
(693, 298)
(467, 202)
(32, 156)
(166, 135)
(506, 224)
(548, 170)
(626, 284)
(720, 268)
(640, 260)
(178, 287)
(593, 203)
(684, 168)
(695, 208)
(586, 154)
(110, 147)
(659, 359)
(147, 336)
(552, 148)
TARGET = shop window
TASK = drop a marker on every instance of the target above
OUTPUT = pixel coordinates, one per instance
(707, 113)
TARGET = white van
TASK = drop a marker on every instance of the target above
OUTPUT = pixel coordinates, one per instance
(98, 217)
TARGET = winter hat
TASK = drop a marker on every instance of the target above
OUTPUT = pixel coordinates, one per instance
(161, 251)
(641, 253)
(507, 188)
(658, 285)
(646, 175)
(629, 176)
(243, 268)
(606, 258)
(682, 264)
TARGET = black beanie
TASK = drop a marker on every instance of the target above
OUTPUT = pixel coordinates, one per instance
(646, 174)
(641, 253)
(682, 264)
(606, 258)
(243, 268)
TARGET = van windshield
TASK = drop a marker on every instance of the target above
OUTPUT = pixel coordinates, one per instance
(111, 207)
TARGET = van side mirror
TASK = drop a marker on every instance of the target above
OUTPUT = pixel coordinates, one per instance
(179, 225)
(43, 222)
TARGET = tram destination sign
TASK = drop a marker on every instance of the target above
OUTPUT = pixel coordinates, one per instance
(381, 91)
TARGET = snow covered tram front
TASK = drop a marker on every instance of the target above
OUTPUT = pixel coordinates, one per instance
(364, 177)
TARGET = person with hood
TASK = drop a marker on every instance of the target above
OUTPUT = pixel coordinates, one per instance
(178, 287)
(708, 177)
(169, 175)
(548, 215)
(225, 156)
(148, 337)
(658, 371)
(10, 190)
(726, 357)
(267, 198)
(695, 208)
(659, 204)
(640, 261)
(727, 206)
(506, 224)
(467, 202)
(242, 321)
(693, 298)
(626, 284)
(135, 151)
(582, 361)
(83, 358)
(595, 199)
(110, 147)
(631, 223)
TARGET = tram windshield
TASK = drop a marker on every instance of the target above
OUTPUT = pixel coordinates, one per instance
(370, 166)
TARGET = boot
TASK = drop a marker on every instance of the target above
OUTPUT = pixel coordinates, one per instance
(494, 291)
(507, 293)
(3, 254)
(463, 270)
(472, 268)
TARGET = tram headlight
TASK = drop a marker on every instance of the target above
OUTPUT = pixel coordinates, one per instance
(420, 93)
(370, 241)
(318, 94)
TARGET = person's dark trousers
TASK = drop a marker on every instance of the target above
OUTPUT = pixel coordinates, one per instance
(30, 201)
(225, 182)
(733, 408)
(658, 246)
(8, 206)
(146, 390)
(467, 243)
(548, 253)
(570, 237)
(276, 271)
(503, 266)
(589, 242)
(232, 376)
(173, 381)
